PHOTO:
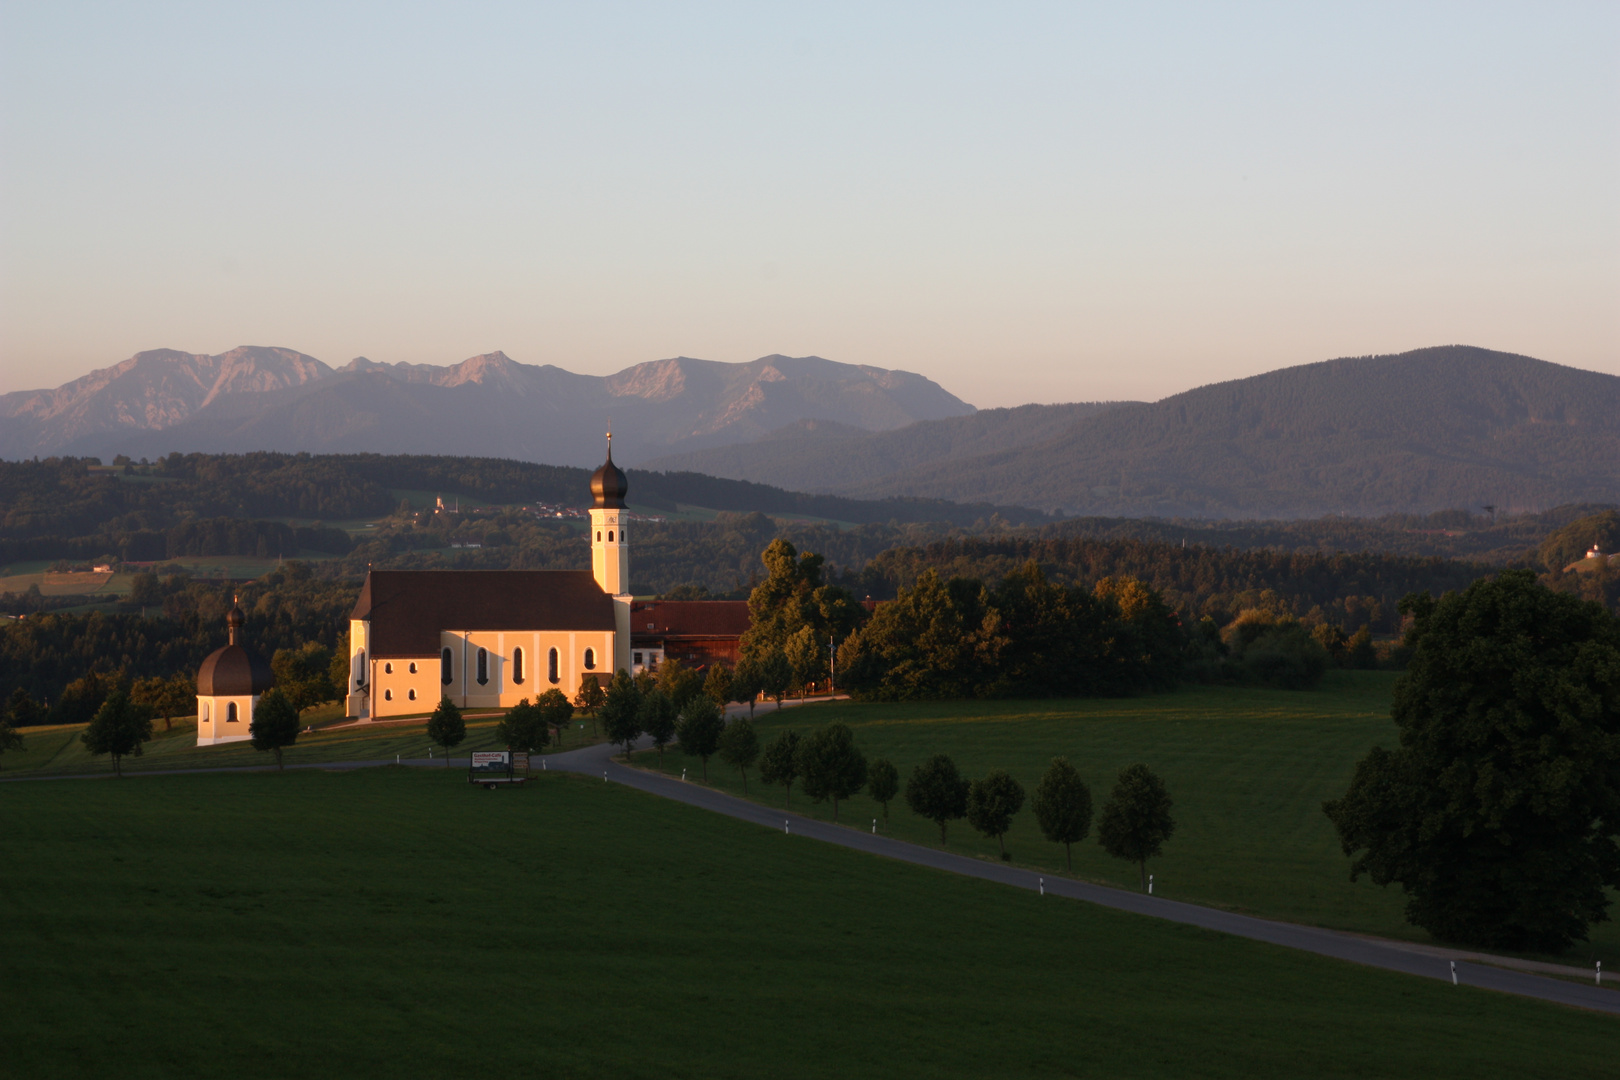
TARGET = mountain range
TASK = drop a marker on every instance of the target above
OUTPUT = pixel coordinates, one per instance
(1447, 427)
(256, 398)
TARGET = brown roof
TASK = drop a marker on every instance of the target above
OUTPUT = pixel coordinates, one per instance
(689, 618)
(233, 671)
(409, 608)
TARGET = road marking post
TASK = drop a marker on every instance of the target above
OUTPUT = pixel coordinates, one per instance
(1454, 973)
(683, 776)
(784, 826)
(1042, 885)
(1600, 973)
(874, 826)
(604, 776)
(1150, 884)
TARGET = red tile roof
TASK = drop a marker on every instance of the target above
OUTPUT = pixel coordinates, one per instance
(409, 608)
(689, 618)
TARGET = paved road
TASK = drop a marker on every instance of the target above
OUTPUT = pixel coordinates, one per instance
(597, 761)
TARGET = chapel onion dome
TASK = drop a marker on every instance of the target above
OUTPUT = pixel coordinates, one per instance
(235, 670)
(608, 485)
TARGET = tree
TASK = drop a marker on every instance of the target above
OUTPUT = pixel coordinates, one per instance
(830, 766)
(739, 747)
(1063, 807)
(657, 718)
(524, 727)
(119, 728)
(802, 651)
(883, 784)
(699, 730)
(1136, 819)
(937, 792)
(304, 674)
(775, 676)
(746, 682)
(992, 803)
(779, 765)
(679, 682)
(621, 711)
(446, 727)
(718, 685)
(591, 697)
(165, 697)
(554, 711)
(23, 711)
(81, 698)
(10, 737)
(275, 723)
(1498, 813)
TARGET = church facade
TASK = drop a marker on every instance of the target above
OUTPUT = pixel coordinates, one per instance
(489, 638)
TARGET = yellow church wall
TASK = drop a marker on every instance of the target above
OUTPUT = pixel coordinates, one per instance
(404, 685)
(212, 726)
(390, 691)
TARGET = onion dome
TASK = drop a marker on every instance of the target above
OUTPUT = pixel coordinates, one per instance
(235, 670)
(608, 485)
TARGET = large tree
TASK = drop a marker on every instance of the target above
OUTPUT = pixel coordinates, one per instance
(793, 596)
(992, 803)
(591, 697)
(830, 765)
(1063, 807)
(10, 737)
(1498, 813)
(555, 710)
(656, 717)
(119, 727)
(679, 682)
(937, 792)
(167, 698)
(779, 765)
(739, 747)
(524, 727)
(883, 784)
(446, 727)
(1136, 819)
(275, 724)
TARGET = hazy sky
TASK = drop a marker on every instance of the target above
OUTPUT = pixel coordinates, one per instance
(1025, 202)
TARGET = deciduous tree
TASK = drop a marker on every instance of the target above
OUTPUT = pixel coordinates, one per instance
(717, 684)
(591, 697)
(779, 765)
(446, 727)
(524, 727)
(119, 727)
(883, 784)
(621, 711)
(678, 682)
(739, 747)
(699, 730)
(1136, 819)
(657, 718)
(1498, 813)
(992, 803)
(275, 724)
(937, 792)
(555, 710)
(1063, 807)
(830, 766)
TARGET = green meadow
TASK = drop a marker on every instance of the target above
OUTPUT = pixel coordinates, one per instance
(398, 922)
(1248, 769)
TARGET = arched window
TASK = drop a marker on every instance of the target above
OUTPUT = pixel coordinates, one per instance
(388, 695)
(205, 712)
(598, 536)
(230, 712)
(483, 667)
(388, 669)
(610, 536)
(444, 667)
(517, 666)
(590, 659)
(360, 658)
(413, 667)
(411, 694)
(552, 671)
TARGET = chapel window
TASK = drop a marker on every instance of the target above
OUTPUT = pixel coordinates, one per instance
(205, 714)
(230, 712)
(411, 694)
(517, 666)
(598, 536)
(483, 667)
(360, 679)
(388, 695)
(590, 659)
(388, 669)
(444, 667)
(610, 536)
(552, 671)
(413, 667)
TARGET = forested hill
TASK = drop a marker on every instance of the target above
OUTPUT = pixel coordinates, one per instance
(1452, 427)
(66, 497)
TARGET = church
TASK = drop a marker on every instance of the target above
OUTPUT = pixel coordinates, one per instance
(486, 639)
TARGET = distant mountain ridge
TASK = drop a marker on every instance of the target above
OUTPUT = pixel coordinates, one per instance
(1448, 427)
(255, 398)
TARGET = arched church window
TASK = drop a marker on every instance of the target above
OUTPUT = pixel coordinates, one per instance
(517, 666)
(388, 695)
(205, 713)
(610, 536)
(230, 712)
(551, 667)
(598, 536)
(388, 669)
(483, 667)
(590, 659)
(413, 667)
(360, 679)
(444, 667)
(411, 694)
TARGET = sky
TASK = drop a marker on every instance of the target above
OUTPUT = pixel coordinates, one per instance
(1024, 201)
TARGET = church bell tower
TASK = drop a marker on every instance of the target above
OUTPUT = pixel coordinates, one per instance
(610, 553)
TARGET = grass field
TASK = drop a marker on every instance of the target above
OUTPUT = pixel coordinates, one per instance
(396, 922)
(1248, 769)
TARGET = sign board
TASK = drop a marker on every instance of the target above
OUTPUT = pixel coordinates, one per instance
(491, 761)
